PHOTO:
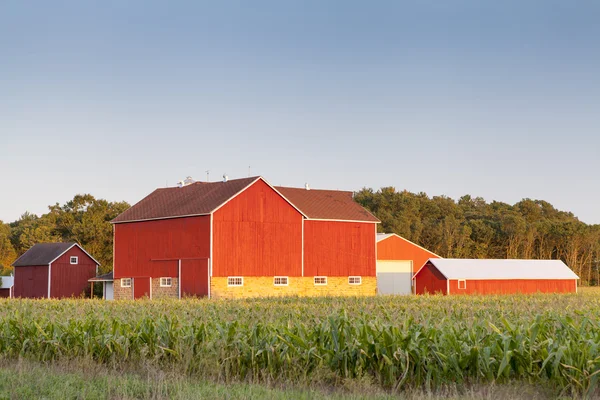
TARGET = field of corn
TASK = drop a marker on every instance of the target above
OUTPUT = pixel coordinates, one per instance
(395, 343)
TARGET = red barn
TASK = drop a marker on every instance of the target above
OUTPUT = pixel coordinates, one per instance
(7, 287)
(53, 270)
(459, 276)
(396, 261)
(243, 237)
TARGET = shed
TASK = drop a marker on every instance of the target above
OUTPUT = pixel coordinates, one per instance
(7, 286)
(396, 261)
(53, 270)
(469, 276)
(242, 238)
(107, 282)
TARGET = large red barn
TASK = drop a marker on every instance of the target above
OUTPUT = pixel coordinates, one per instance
(53, 270)
(243, 237)
(468, 276)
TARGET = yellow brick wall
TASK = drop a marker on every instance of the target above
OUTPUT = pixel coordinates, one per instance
(298, 286)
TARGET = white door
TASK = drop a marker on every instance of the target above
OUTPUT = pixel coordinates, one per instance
(108, 291)
(394, 277)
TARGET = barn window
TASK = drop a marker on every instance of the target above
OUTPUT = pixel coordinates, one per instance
(462, 284)
(280, 281)
(235, 281)
(125, 282)
(166, 282)
(354, 280)
(74, 260)
(320, 280)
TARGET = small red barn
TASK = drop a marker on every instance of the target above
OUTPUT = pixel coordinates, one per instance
(53, 270)
(464, 276)
(397, 259)
(242, 238)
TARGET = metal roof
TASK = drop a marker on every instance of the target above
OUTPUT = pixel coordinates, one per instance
(7, 282)
(108, 277)
(455, 268)
(383, 236)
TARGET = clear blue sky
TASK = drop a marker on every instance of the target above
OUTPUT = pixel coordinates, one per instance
(499, 99)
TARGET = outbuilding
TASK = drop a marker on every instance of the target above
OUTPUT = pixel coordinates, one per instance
(53, 270)
(469, 276)
(396, 261)
(244, 238)
(7, 286)
(107, 282)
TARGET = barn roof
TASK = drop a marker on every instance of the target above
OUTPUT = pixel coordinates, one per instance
(199, 198)
(326, 204)
(382, 236)
(45, 253)
(454, 268)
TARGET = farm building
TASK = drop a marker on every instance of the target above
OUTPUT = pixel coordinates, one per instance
(106, 280)
(7, 286)
(53, 270)
(397, 258)
(461, 276)
(242, 238)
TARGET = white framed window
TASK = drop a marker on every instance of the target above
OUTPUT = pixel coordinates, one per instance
(354, 280)
(462, 283)
(166, 282)
(320, 280)
(280, 281)
(74, 260)
(125, 282)
(235, 281)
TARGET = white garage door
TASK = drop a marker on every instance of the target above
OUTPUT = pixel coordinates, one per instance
(394, 277)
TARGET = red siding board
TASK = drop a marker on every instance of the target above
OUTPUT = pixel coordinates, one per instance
(141, 287)
(4, 293)
(31, 282)
(334, 248)
(151, 248)
(429, 280)
(395, 248)
(68, 280)
(257, 233)
(511, 286)
(194, 278)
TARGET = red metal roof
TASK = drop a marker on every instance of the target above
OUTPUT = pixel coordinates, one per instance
(198, 198)
(326, 204)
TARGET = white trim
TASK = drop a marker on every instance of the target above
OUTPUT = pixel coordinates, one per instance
(210, 255)
(81, 248)
(406, 240)
(179, 278)
(458, 284)
(130, 283)
(517, 279)
(319, 277)
(209, 277)
(287, 281)
(423, 266)
(49, 276)
(150, 283)
(114, 254)
(235, 277)
(354, 283)
(343, 220)
(159, 218)
(447, 286)
(132, 289)
(71, 260)
(160, 282)
(302, 246)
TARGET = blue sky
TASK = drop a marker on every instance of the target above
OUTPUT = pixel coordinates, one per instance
(116, 98)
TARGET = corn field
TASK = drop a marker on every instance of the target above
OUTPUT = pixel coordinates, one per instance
(395, 342)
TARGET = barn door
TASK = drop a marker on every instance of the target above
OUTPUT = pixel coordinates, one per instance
(193, 279)
(141, 287)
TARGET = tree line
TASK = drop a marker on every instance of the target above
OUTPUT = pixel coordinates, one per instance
(473, 228)
(467, 228)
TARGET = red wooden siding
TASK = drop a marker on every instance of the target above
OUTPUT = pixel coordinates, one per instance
(257, 233)
(194, 278)
(137, 244)
(395, 248)
(4, 293)
(69, 280)
(429, 280)
(510, 286)
(141, 287)
(31, 282)
(333, 248)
